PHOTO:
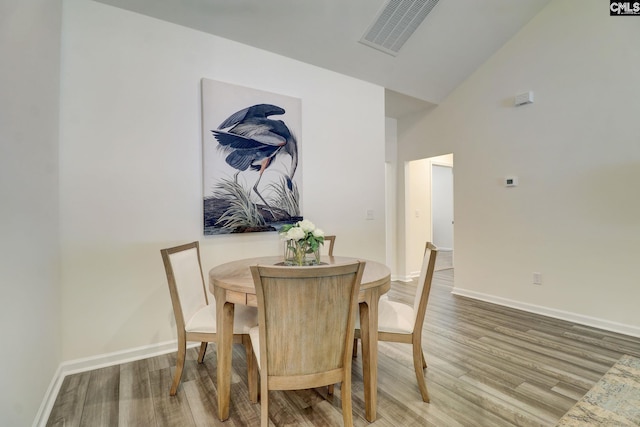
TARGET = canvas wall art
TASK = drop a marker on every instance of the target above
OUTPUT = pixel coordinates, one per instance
(252, 165)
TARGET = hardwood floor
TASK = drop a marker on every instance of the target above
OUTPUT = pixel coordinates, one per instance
(487, 366)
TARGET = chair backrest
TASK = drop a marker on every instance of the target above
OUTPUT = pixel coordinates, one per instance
(306, 317)
(185, 279)
(329, 241)
(424, 282)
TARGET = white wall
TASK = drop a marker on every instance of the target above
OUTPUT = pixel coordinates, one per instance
(131, 165)
(30, 315)
(391, 185)
(575, 216)
(417, 213)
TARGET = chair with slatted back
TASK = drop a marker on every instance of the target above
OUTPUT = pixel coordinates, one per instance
(195, 316)
(306, 329)
(398, 322)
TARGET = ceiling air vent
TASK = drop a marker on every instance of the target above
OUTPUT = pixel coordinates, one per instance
(395, 23)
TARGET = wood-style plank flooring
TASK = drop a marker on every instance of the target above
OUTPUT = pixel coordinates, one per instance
(488, 366)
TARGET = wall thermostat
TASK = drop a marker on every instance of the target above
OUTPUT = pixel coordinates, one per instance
(523, 98)
(510, 181)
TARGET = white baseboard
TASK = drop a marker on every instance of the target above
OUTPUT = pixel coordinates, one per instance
(396, 278)
(49, 399)
(595, 322)
(96, 362)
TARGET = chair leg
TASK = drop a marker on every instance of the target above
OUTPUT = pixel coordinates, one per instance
(345, 395)
(203, 350)
(252, 369)
(355, 347)
(418, 363)
(264, 403)
(424, 362)
(330, 389)
(182, 351)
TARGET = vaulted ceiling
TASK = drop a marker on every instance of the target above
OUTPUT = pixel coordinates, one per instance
(454, 39)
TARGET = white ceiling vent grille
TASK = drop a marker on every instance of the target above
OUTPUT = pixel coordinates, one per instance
(395, 23)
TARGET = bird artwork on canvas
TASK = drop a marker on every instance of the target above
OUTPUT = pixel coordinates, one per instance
(251, 141)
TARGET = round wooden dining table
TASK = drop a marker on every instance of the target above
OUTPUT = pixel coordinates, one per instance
(232, 283)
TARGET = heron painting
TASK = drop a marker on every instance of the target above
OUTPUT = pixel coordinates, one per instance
(251, 159)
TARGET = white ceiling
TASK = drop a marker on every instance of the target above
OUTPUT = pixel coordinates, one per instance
(451, 43)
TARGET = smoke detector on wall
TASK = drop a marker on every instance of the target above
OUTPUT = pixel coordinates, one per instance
(395, 23)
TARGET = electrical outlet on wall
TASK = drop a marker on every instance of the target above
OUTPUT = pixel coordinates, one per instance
(537, 278)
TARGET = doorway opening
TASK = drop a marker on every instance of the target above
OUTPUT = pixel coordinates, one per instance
(429, 211)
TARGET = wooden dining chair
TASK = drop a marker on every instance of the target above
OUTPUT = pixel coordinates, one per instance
(306, 329)
(329, 241)
(195, 316)
(401, 323)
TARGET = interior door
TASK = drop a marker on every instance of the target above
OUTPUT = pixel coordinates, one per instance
(442, 206)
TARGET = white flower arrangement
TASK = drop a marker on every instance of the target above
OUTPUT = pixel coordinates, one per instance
(302, 238)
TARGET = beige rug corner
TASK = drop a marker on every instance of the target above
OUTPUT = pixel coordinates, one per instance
(613, 401)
